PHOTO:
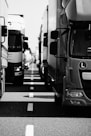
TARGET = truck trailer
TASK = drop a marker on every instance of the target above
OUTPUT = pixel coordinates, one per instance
(69, 50)
(43, 46)
(3, 43)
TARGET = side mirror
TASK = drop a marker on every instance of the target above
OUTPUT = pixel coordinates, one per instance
(4, 30)
(45, 39)
(25, 45)
(53, 48)
(25, 38)
(45, 34)
(54, 34)
(45, 42)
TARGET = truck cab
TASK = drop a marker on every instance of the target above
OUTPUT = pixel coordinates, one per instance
(69, 51)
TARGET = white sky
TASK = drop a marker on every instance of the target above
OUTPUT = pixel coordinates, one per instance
(33, 11)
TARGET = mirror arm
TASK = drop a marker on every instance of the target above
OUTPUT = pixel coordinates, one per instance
(63, 57)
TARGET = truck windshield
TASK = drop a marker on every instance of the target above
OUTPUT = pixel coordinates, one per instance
(15, 42)
(80, 43)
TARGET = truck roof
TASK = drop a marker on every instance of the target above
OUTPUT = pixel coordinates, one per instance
(16, 22)
(77, 10)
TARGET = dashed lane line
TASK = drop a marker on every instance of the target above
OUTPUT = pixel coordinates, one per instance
(32, 88)
(29, 130)
(30, 107)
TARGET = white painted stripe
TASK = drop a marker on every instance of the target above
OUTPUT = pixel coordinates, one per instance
(28, 99)
(30, 107)
(41, 94)
(24, 97)
(42, 99)
(31, 88)
(31, 95)
(33, 83)
(29, 130)
(32, 77)
(28, 75)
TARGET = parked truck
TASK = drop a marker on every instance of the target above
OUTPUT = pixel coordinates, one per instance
(69, 50)
(43, 46)
(16, 45)
(3, 43)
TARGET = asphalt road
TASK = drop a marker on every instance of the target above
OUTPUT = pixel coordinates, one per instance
(30, 110)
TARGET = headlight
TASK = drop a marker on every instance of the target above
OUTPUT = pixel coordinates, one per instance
(74, 94)
(17, 68)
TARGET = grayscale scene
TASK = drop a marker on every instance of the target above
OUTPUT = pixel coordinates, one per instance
(45, 67)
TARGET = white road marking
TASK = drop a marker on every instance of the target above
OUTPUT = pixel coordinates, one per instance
(27, 97)
(33, 83)
(31, 95)
(29, 130)
(30, 107)
(31, 88)
(41, 94)
(34, 77)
